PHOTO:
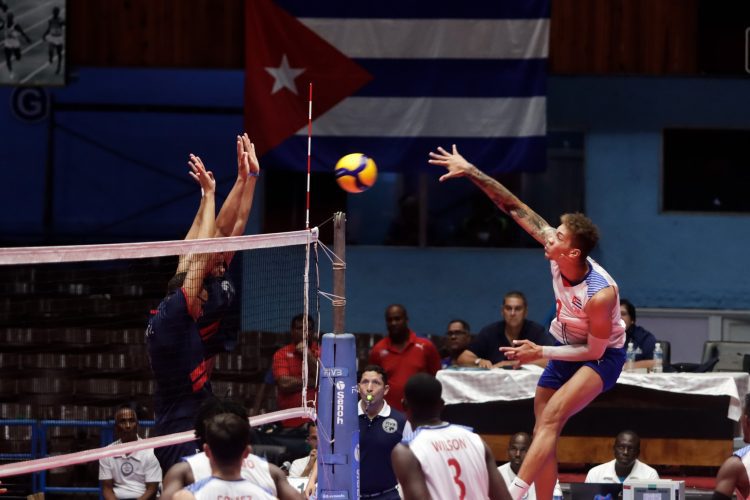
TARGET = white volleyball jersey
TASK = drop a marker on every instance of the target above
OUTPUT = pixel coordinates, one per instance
(254, 469)
(452, 458)
(212, 488)
(571, 323)
(744, 455)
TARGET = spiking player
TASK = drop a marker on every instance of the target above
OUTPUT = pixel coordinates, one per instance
(440, 460)
(589, 354)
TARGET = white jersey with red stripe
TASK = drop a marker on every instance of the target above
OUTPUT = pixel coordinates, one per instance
(571, 323)
(254, 469)
(453, 462)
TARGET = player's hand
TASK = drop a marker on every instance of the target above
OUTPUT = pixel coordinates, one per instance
(456, 164)
(503, 364)
(524, 351)
(247, 160)
(202, 176)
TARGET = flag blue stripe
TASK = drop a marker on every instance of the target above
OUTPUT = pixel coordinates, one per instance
(410, 154)
(430, 78)
(420, 9)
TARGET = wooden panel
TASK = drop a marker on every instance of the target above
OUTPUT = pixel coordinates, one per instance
(156, 33)
(624, 36)
(655, 451)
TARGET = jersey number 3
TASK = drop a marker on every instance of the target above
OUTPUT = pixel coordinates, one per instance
(452, 462)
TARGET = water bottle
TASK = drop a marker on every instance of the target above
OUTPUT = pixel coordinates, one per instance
(630, 358)
(557, 493)
(658, 359)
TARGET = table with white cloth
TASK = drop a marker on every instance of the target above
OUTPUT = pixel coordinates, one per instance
(687, 419)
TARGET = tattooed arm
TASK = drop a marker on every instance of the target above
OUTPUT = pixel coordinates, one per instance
(509, 203)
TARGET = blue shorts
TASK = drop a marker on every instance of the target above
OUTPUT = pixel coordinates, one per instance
(608, 367)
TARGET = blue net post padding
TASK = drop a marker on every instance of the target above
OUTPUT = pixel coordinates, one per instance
(338, 434)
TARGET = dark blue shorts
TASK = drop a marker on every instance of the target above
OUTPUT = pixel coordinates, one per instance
(608, 367)
(170, 455)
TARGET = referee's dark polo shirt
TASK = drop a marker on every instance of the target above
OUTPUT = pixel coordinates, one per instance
(377, 437)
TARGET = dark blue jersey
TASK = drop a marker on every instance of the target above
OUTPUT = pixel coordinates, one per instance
(377, 437)
(178, 360)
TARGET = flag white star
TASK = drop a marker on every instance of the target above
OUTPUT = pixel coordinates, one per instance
(284, 76)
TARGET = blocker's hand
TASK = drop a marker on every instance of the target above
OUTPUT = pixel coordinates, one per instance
(456, 164)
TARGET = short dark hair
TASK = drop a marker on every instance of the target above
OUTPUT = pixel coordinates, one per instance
(215, 406)
(227, 435)
(518, 294)
(400, 306)
(125, 406)
(464, 324)
(628, 432)
(377, 369)
(584, 231)
(300, 317)
(423, 394)
(630, 307)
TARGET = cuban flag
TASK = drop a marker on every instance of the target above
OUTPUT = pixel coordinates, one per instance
(395, 79)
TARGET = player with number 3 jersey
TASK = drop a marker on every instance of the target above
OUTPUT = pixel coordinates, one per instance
(442, 461)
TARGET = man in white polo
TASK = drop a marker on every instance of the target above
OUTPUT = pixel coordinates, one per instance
(626, 465)
(133, 476)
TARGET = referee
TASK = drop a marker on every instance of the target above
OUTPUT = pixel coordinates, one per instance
(380, 429)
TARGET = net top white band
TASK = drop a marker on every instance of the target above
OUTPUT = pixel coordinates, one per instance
(79, 457)
(88, 253)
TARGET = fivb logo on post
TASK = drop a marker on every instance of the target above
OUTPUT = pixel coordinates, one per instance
(340, 388)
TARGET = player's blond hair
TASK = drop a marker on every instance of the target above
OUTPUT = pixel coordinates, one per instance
(584, 232)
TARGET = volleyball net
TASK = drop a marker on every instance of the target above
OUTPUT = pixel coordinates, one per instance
(73, 345)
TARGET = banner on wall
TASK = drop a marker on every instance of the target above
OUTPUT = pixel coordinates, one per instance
(396, 79)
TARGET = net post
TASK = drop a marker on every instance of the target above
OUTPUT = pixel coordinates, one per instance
(339, 271)
(338, 444)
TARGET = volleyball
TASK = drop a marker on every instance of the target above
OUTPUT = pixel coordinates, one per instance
(356, 172)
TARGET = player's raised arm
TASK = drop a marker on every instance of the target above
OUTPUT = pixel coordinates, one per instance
(509, 203)
(199, 265)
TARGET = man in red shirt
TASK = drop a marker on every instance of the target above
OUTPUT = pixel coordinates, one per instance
(287, 369)
(402, 354)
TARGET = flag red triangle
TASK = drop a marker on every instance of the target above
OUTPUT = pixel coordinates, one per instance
(282, 56)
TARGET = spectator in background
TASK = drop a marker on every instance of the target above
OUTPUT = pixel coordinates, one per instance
(457, 338)
(484, 350)
(288, 370)
(380, 429)
(643, 341)
(402, 354)
(302, 467)
(626, 465)
(517, 447)
(734, 472)
(133, 476)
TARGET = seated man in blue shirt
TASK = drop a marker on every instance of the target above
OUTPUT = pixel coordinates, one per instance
(643, 341)
(484, 351)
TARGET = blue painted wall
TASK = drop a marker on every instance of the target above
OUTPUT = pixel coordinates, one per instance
(660, 260)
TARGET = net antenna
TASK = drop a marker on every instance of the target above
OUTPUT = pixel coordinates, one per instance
(89, 305)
